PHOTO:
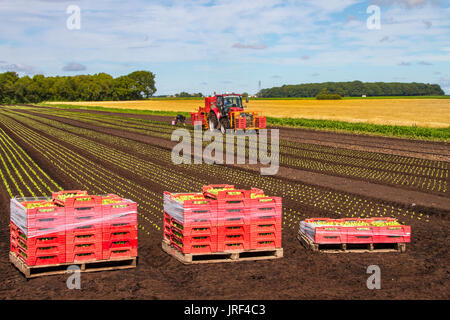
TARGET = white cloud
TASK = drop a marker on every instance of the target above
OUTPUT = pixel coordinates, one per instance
(118, 36)
(407, 3)
(255, 46)
(21, 69)
(73, 66)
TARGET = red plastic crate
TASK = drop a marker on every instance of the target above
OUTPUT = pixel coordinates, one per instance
(233, 217)
(30, 244)
(76, 237)
(392, 234)
(232, 194)
(313, 220)
(119, 248)
(83, 201)
(42, 255)
(197, 117)
(234, 236)
(119, 243)
(206, 247)
(200, 229)
(76, 207)
(254, 191)
(271, 243)
(195, 209)
(194, 228)
(75, 227)
(379, 219)
(260, 236)
(42, 249)
(119, 208)
(115, 224)
(330, 235)
(199, 209)
(361, 234)
(260, 122)
(240, 123)
(228, 243)
(48, 219)
(207, 189)
(84, 246)
(13, 238)
(117, 253)
(63, 202)
(88, 255)
(14, 247)
(167, 226)
(267, 209)
(41, 260)
(29, 213)
(124, 233)
(42, 224)
(15, 231)
(244, 228)
(42, 220)
(50, 239)
(195, 244)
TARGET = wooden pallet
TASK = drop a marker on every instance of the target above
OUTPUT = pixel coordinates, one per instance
(346, 247)
(215, 257)
(91, 266)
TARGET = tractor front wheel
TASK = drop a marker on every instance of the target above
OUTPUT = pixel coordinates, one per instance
(213, 122)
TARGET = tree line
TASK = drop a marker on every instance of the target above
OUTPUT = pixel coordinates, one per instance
(184, 94)
(353, 89)
(134, 86)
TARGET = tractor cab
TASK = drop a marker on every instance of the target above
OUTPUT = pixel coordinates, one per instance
(229, 103)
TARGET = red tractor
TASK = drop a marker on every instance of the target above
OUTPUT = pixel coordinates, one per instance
(225, 111)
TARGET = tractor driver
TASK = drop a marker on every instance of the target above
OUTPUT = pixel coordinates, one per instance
(230, 102)
(227, 105)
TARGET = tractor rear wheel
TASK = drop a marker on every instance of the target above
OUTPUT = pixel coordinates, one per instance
(213, 122)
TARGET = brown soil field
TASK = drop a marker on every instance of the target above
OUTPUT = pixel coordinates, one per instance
(321, 174)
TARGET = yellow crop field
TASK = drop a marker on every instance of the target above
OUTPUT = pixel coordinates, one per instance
(433, 113)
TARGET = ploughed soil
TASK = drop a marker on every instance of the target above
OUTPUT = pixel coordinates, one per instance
(432, 150)
(398, 194)
(420, 273)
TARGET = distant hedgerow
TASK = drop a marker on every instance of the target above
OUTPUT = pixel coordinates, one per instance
(326, 96)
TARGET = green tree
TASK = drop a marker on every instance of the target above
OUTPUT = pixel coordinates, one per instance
(7, 90)
(125, 88)
(145, 82)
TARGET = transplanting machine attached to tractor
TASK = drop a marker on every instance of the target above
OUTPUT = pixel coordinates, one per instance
(225, 111)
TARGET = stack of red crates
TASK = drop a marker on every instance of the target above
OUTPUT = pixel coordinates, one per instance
(330, 232)
(260, 122)
(84, 218)
(44, 242)
(197, 117)
(119, 229)
(77, 228)
(196, 232)
(224, 221)
(240, 122)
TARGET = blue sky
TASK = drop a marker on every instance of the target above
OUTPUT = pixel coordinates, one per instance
(204, 45)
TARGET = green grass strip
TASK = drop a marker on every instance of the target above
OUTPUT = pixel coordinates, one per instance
(414, 132)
